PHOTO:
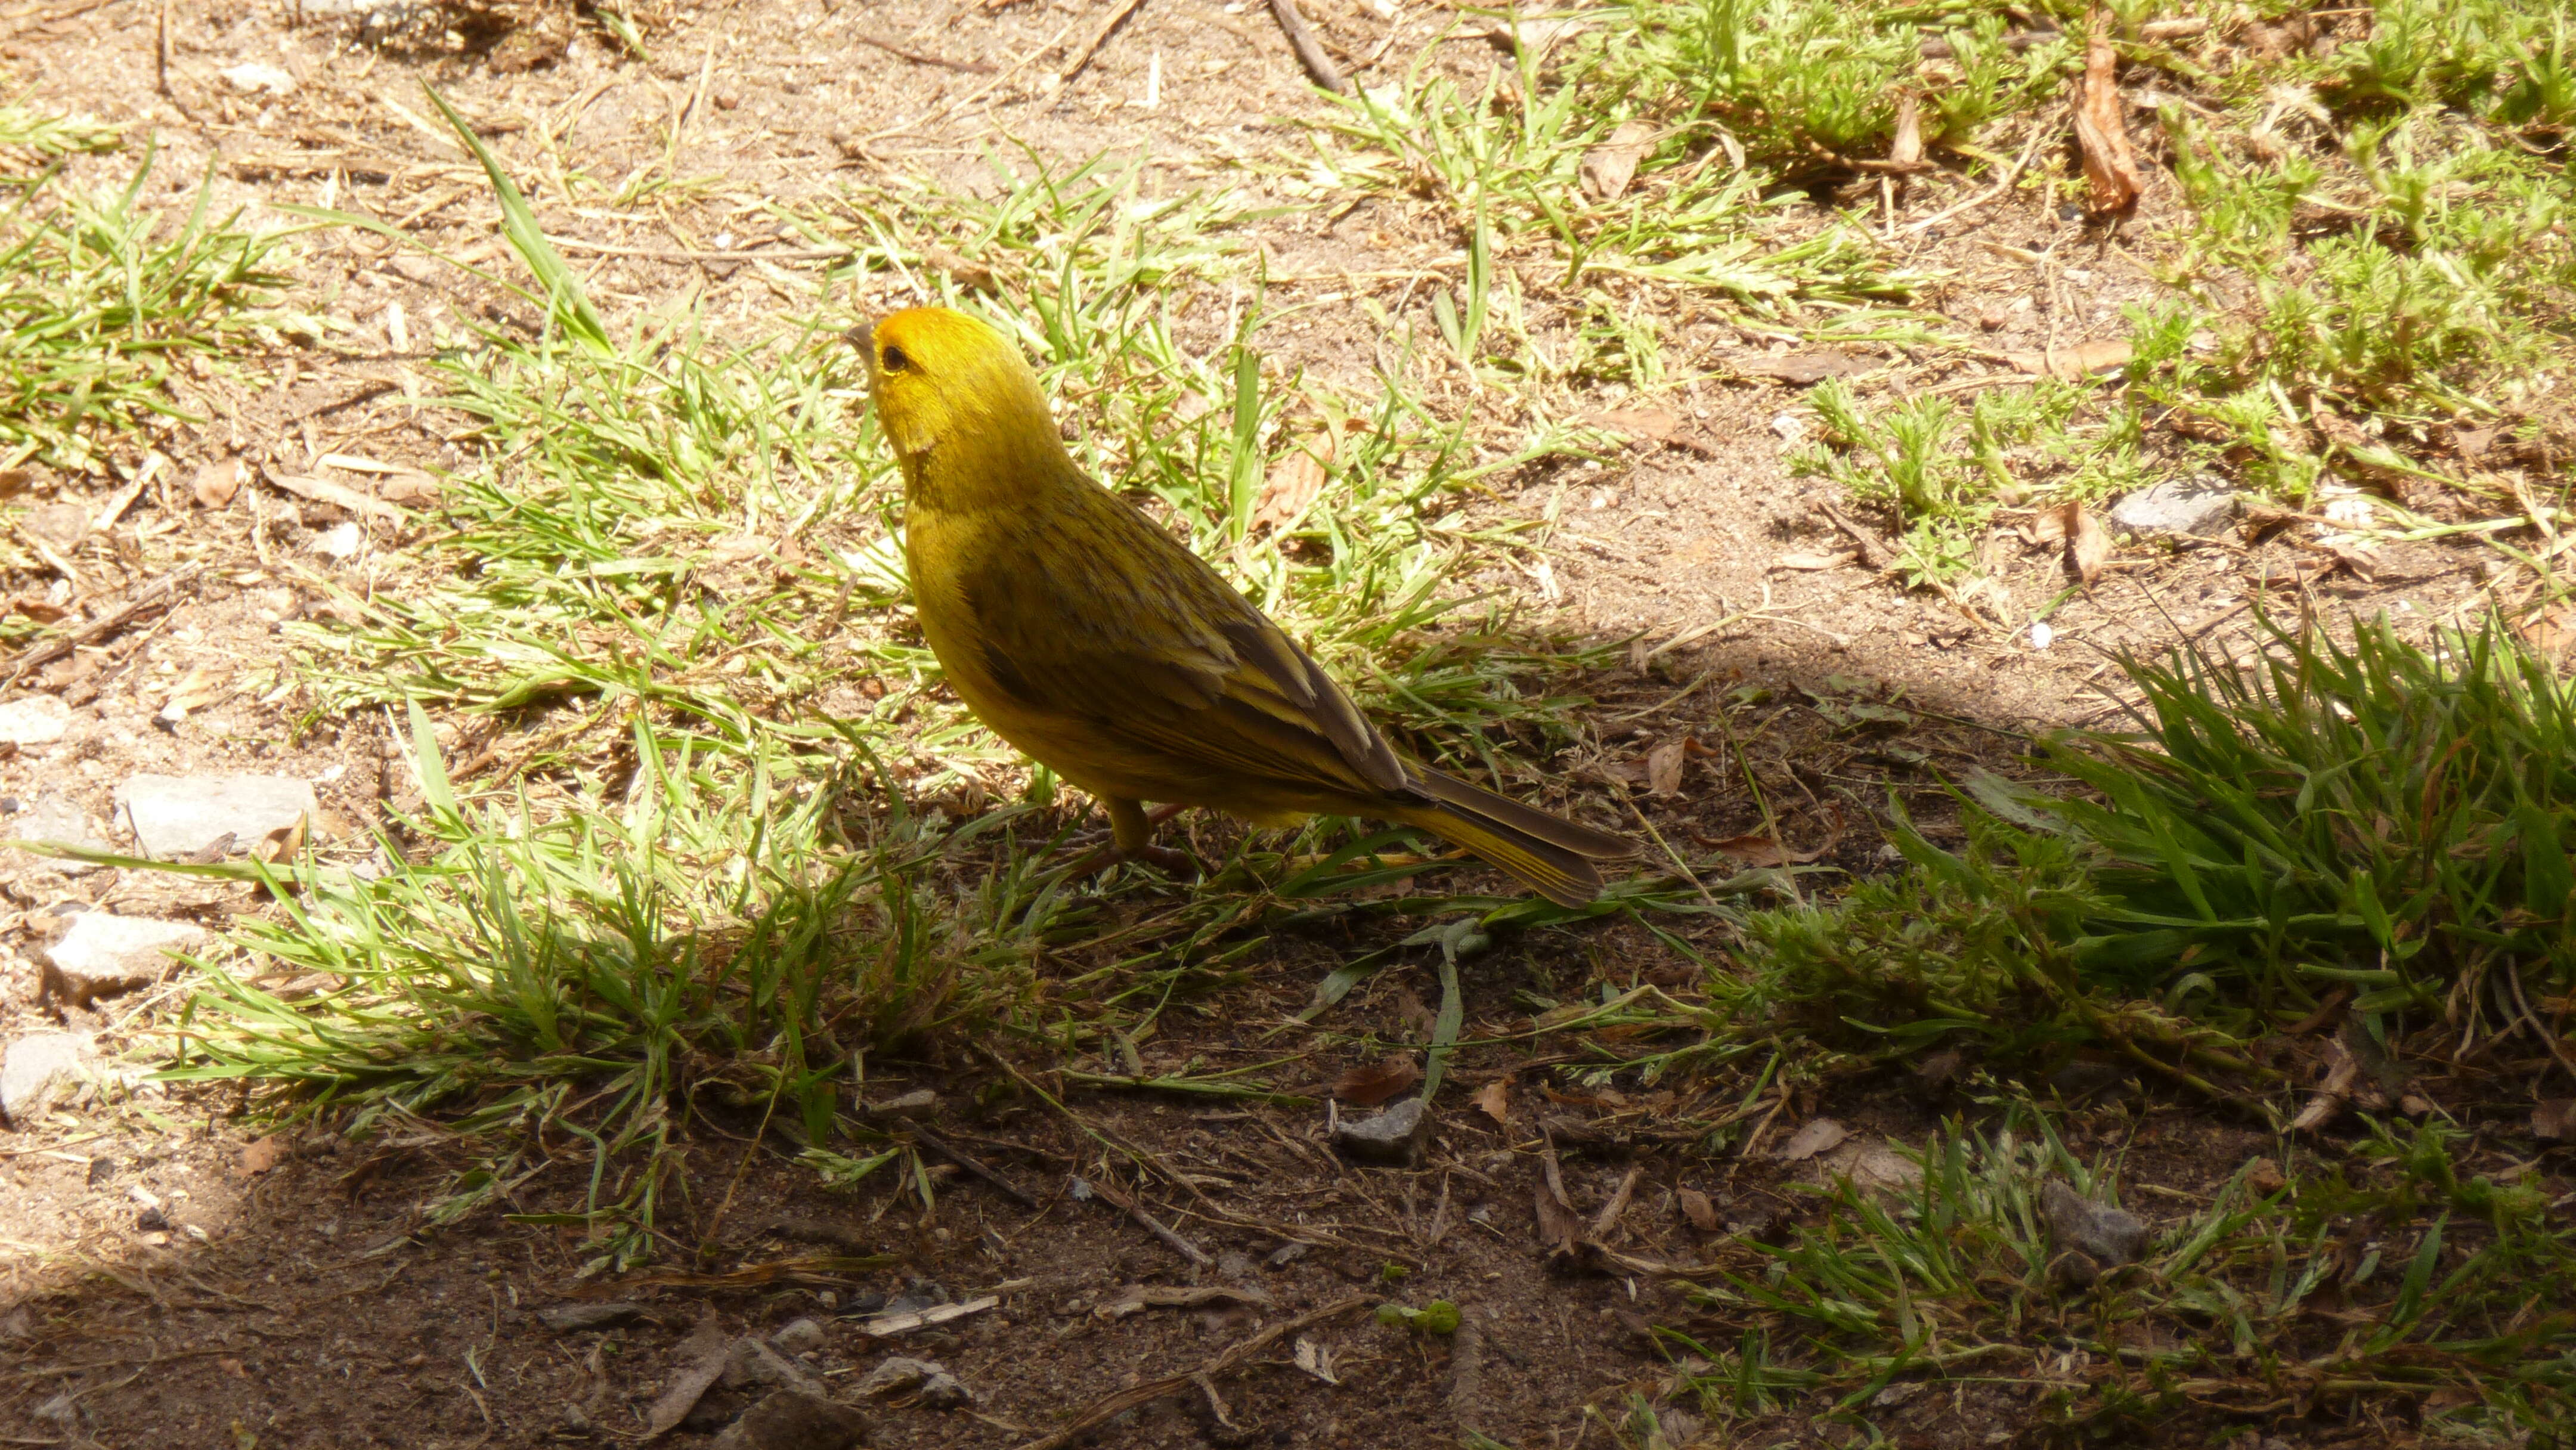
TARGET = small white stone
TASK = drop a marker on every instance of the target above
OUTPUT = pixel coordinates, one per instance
(340, 541)
(258, 77)
(34, 720)
(2041, 635)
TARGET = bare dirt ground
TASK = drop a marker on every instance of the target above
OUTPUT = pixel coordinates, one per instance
(198, 1284)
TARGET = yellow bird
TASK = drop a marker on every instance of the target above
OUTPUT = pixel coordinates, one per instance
(1093, 641)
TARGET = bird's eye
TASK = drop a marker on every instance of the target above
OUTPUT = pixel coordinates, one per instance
(893, 360)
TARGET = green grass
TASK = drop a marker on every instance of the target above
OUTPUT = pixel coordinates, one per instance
(103, 295)
(2388, 1279)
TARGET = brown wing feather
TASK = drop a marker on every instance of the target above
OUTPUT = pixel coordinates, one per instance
(1168, 660)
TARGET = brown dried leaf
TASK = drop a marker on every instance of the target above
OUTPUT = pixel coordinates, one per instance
(1292, 486)
(338, 495)
(1907, 148)
(13, 482)
(217, 482)
(1371, 1085)
(1755, 849)
(1664, 765)
(701, 1358)
(2088, 544)
(262, 1154)
(2101, 133)
(2554, 1120)
(973, 276)
(1817, 1136)
(1609, 167)
(1495, 1099)
(2264, 1176)
(1802, 368)
(2363, 564)
(1696, 1207)
(2074, 364)
(1651, 423)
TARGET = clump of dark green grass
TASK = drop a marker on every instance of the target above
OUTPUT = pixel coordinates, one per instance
(2381, 824)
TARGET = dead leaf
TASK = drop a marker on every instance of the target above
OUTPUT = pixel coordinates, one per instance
(701, 1358)
(2554, 1120)
(2263, 1176)
(1315, 1359)
(338, 495)
(217, 482)
(2073, 364)
(973, 276)
(1816, 1137)
(1371, 1085)
(38, 610)
(1292, 486)
(1650, 423)
(1495, 1098)
(409, 487)
(1907, 148)
(1609, 167)
(1696, 1207)
(2088, 544)
(1755, 849)
(1810, 562)
(2363, 564)
(13, 482)
(262, 1154)
(2101, 132)
(1664, 765)
(1802, 368)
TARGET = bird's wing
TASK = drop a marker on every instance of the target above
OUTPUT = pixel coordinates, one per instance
(1131, 630)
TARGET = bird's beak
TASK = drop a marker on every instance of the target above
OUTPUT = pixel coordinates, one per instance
(863, 337)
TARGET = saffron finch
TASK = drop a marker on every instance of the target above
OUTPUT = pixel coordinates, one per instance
(1093, 641)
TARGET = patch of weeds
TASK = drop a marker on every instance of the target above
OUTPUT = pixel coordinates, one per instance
(1942, 476)
(101, 296)
(1892, 1310)
(703, 941)
(1800, 85)
(2381, 825)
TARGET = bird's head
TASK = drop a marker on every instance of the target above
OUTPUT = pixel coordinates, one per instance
(946, 382)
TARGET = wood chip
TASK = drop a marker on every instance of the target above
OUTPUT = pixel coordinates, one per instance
(1167, 1296)
(885, 1326)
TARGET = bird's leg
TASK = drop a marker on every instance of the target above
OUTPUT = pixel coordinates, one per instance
(1131, 831)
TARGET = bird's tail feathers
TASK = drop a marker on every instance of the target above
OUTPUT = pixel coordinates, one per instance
(1549, 854)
